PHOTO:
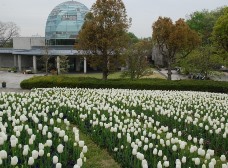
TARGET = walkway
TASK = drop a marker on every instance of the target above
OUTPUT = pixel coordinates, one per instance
(13, 80)
(175, 75)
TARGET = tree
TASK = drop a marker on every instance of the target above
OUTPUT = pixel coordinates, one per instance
(202, 60)
(63, 59)
(220, 30)
(104, 34)
(132, 38)
(173, 38)
(203, 23)
(136, 57)
(7, 32)
(46, 57)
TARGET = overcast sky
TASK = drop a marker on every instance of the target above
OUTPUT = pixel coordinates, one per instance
(31, 15)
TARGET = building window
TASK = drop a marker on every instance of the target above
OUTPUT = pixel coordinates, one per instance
(69, 17)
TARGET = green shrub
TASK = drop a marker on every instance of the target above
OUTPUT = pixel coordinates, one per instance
(142, 84)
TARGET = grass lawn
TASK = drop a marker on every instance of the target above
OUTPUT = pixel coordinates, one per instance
(4, 69)
(97, 157)
(115, 75)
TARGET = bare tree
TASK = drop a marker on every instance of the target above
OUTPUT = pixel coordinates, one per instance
(46, 57)
(8, 30)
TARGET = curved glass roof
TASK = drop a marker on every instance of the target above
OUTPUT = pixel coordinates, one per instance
(65, 20)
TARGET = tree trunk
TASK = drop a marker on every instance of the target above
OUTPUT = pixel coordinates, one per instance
(169, 71)
(46, 67)
(105, 67)
(105, 75)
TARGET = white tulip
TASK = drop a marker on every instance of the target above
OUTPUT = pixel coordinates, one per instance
(48, 154)
(51, 121)
(60, 148)
(41, 146)
(160, 153)
(155, 151)
(224, 165)
(211, 165)
(3, 154)
(65, 138)
(58, 165)
(79, 162)
(166, 163)
(61, 133)
(174, 148)
(29, 130)
(140, 156)
(35, 154)
(223, 158)
(13, 142)
(145, 147)
(31, 161)
(197, 161)
(25, 152)
(49, 135)
(134, 151)
(184, 159)
(55, 159)
(81, 143)
(41, 152)
(49, 143)
(159, 165)
(76, 166)
(144, 163)
(85, 149)
(204, 166)
(40, 127)
(119, 135)
(14, 160)
(82, 154)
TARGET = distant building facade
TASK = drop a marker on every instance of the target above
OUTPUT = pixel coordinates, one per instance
(157, 58)
(62, 28)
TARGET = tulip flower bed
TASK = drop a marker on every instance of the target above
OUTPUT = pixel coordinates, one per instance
(139, 128)
(34, 134)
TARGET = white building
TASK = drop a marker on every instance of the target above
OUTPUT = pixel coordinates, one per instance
(62, 28)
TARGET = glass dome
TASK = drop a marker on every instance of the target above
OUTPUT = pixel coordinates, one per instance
(64, 22)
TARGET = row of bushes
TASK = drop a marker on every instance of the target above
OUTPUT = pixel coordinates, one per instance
(146, 84)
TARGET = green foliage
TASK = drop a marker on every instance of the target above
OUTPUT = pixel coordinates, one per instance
(203, 22)
(136, 57)
(63, 61)
(202, 60)
(220, 30)
(132, 38)
(142, 84)
(104, 34)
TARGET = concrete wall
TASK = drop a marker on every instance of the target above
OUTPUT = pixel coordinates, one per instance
(6, 60)
(157, 57)
(27, 42)
(37, 41)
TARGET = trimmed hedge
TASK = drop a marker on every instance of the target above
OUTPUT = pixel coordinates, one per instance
(142, 84)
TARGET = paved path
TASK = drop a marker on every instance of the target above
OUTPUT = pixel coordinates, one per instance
(13, 80)
(175, 75)
(221, 77)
